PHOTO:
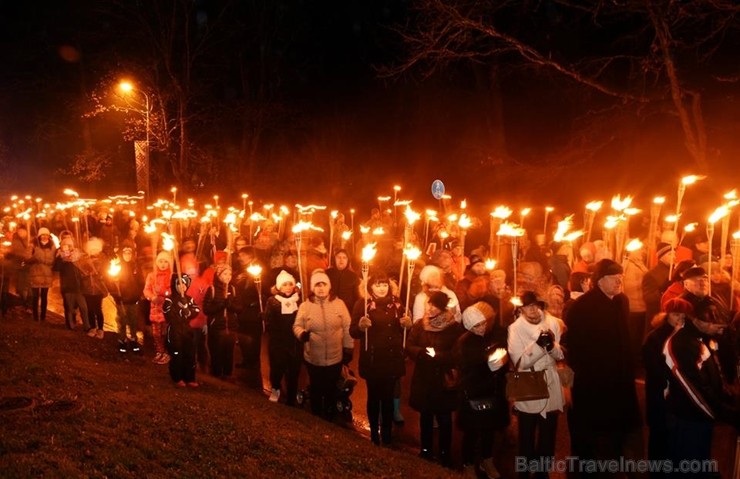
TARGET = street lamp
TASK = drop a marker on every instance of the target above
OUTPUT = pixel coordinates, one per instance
(142, 161)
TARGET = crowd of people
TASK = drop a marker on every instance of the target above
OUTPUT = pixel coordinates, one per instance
(590, 324)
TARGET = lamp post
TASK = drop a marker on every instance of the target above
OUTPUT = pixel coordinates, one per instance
(142, 167)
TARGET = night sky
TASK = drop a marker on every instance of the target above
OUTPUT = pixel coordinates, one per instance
(288, 97)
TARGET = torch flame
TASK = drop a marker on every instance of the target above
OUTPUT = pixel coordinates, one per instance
(115, 267)
(364, 229)
(619, 204)
(691, 179)
(346, 235)
(671, 218)
(718, 214)
(378, 231)
(411, 215)
(501, 212)
(368, 252)
(633, 245)
(659, 200)
(510, 229)
(464, 222)
(412, 253)
(168, 242)
(525, 211)
(594, 206)
(690, 227)
(490, 264)
(563, 228)
(255, 270)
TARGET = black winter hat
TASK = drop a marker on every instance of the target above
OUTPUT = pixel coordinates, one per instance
(605, 267)
(440, 300)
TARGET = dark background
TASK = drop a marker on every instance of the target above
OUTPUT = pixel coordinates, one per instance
(289, 100)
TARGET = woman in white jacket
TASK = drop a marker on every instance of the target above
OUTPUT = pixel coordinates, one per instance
(322, 324)
(534, 342)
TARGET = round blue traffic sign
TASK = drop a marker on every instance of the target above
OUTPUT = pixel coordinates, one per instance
(438, 189)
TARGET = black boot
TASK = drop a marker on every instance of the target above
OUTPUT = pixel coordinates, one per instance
(375, 437)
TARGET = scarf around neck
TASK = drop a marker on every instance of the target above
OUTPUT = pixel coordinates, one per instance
(439, 322)
(288, 304)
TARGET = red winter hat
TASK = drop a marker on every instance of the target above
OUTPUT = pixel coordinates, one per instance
(220, 257)
(678, 305)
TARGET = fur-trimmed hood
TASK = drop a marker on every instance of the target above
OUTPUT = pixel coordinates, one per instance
(394, 289)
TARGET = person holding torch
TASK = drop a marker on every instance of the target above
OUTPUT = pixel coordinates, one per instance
(382, 361)
(125, 286)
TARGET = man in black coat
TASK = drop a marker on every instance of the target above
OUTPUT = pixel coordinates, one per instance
(605, 419)
(698, 391)
(657, 280)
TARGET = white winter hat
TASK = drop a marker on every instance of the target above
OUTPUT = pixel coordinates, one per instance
(477, 313)
(319, 276)
(284, 277)
(44, 231)
(431, 276)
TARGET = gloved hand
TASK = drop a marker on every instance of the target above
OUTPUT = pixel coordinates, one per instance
(364, 323)
(347, 355)
(304, 336)
(406, 322)
(204, 329)
(546, 340)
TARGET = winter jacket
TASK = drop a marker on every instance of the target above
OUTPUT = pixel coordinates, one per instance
(197, 290)
(657, 374)
(696, 391)
(327, 320)
(93, 268)
(156, 290)
(179, 311)
(429, 392)
(40, 273)
(634, 271)
(221, 307)
(523, 348)
(127, 287)
(70, 276)
(654, 284)
(598, 345)
(384, 357)
(20, 252)
(344, 283)
(280, 314)
(249, 298)
(478, 382)
(560, 270)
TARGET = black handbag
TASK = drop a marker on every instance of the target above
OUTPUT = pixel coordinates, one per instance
(526, 385)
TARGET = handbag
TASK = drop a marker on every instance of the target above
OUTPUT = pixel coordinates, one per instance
(526, 385)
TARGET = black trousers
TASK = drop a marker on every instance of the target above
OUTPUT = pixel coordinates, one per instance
(426, 425)
(323, 389)
(95, 310)
(42, 295)
(380, 406)
(477, 442)
(221, 346)
(182, 363)
(285, 363)
(537, 437)
(250, 343)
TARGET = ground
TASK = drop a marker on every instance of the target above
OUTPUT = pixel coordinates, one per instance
(71, 407)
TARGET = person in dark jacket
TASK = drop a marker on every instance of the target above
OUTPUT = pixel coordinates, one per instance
(284, 350)
(656, 281)
(483, 409)
(21, 251)
(559, 263)
(605, 419)
(249, 317)
(40, 273)
(698, 387)
(126, 286)
(433, 391)
(179, 309)
(222, 308)
(70, 283)
(381, 359)
(657, 375)
(344, 282)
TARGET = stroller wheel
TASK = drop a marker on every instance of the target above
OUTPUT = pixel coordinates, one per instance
(340, 406)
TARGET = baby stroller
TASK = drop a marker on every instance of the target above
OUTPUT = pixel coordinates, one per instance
(345, 386)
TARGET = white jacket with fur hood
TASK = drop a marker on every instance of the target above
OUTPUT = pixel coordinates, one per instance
(327, 321)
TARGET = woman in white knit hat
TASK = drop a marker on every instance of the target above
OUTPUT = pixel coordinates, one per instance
(284, 349)
(322, 324)
(41, 275)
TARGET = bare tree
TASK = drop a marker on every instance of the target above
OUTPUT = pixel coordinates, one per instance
(659, 54)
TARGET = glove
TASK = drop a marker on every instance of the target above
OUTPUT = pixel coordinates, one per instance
(406, 322)
(304, 336)
(205, 329)
(364, 323)
(347, 355)
(546, 340)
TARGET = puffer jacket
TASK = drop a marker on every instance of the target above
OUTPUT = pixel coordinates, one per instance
(328, 322)
(40, 273)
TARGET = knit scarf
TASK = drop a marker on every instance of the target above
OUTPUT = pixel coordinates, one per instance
(438, 322)
(288, 304)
